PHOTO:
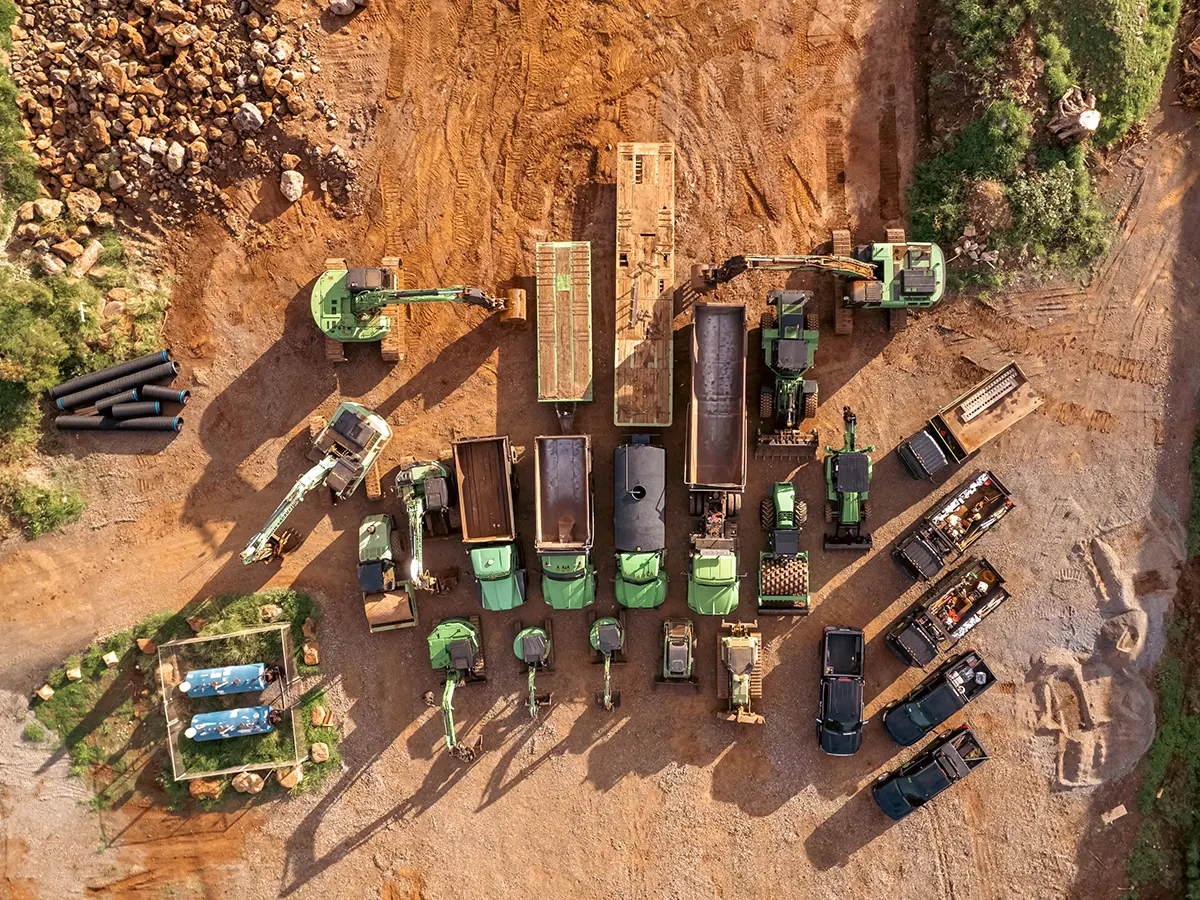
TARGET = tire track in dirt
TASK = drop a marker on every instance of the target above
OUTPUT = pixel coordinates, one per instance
(889, 159)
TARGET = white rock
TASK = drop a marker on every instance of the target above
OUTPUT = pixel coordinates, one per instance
(175, 157)
(248, 117)
(342, 7)
(291, 183)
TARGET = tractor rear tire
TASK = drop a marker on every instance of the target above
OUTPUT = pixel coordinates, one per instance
(810, 405)
(767, 320)
(864, 511)
(801, 513)
(828, 510)
(766, 402)
(766, 514)
(733, 505)
(812, 322)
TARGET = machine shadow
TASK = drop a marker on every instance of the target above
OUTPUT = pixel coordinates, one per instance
(856, 823)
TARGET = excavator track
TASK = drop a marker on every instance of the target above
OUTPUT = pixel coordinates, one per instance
(391, 348)
(843, 316)
(479, 673)
(334, 352)
(756, 676)
(371, 482)
(897, 319)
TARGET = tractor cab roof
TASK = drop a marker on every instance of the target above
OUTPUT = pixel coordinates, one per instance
(792, 355)
(677, 657)
(364, 279)
(785, 541)
(371, 577)
(740, 658)
(462, 654)
(853, 472)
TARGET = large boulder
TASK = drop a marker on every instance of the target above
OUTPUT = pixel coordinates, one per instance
(291, 183)
(248, 117)
(289, 778)
(205, 788)
(248, 783)
(319, 752)
(83, 203)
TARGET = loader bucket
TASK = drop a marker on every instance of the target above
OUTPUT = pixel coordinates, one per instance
(786, 445)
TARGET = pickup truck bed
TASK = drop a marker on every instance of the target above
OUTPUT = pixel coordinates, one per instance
(843, 653)
(953, 525)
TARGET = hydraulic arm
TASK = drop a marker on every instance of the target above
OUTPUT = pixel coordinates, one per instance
(844, 266)
(366, 303)
(452, 681)
(263, 546)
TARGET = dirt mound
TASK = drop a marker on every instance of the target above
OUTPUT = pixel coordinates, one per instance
(987, 207)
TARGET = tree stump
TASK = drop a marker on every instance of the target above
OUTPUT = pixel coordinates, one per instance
(1076, 117)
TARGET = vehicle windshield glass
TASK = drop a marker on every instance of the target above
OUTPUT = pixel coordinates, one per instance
(919, 716)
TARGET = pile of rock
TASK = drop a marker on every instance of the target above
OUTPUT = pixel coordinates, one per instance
(137, 100)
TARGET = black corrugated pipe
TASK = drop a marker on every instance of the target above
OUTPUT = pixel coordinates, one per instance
(104, 423)
(129, 396)
(136, 410)
(124, 383)
(157, 392)
(91, 379)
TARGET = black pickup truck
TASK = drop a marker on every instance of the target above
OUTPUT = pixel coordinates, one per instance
(954, 524)
(840, 717)
(956, 683)
(947, 612)
(949, 758)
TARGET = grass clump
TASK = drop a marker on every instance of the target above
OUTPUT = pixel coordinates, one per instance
(33, 733)
(36, 510)
(315, 774)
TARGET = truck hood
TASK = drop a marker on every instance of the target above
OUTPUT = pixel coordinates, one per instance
(891, 800)
(715, 571)
(712, 601)
(638, 568)
(641, 596)
(493, 563)
(573, 594)
(564, 566)
(505, 593)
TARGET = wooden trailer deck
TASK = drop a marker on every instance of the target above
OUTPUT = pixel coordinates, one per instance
(485, 496)
(993, 405)
(645, 285)
(564, 320)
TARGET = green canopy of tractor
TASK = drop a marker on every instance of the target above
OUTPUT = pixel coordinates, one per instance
(568, 581)
(713, 586)
(641, 582)
(495, 570)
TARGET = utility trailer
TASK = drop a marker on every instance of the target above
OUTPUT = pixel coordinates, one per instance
(953, 525)
(715, 466)
(639, 523)
(564, 326)
(486, 484)
(958, 429)
(645, 283)
(947, 612)
(565, 520)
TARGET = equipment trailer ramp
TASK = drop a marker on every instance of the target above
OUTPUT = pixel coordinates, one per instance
(485, 494)
(564, 324)
(716, 435)
(645, 283)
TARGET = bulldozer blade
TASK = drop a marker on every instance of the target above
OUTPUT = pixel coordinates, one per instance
(793, 609)
(740, 717)
(785, 445)
(859, 543)
(371, 482)
(677, 686)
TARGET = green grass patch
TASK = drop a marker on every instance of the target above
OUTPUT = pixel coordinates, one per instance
(33, 733)
(315, 774)
(18, 169)
(110, 721)
(36, 510)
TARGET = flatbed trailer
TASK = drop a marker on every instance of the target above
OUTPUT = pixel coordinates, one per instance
(946, 613)
(953, 525)
(961, 427)
(645, 285)
(564, 325)
(565, 520)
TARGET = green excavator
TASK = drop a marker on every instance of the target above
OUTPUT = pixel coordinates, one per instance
(607, 637)
(534, 647)
(896, 275)
(345, 450)
(426, 490)
(456, 648)
(366, 305)
(848, 474)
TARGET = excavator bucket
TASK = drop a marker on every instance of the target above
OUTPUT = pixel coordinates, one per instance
(513, 312)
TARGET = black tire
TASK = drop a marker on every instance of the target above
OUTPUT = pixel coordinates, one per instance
(801, 513)
(810, 405)
(767, 320)
(733, 505)
(766, 514)
(828, 510)
(864, 511)
(766, 403)
(812, 322)
(694, 506)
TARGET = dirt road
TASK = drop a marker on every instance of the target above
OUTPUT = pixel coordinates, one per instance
(483, 127)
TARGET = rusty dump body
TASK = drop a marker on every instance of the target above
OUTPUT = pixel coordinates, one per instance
(485, 495)
(716, 435)
(644, 285)
(564, 495)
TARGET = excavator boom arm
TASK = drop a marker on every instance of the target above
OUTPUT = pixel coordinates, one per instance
(845, 266)
(414, 506)
(368, 301)
(259, 546)
(448, 709)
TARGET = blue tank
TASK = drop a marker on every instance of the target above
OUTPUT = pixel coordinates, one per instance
(229, 680)
(229, 723)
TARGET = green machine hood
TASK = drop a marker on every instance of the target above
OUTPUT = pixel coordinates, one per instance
(501, 584)
(641, 582)
(568, 580)
(713, 585)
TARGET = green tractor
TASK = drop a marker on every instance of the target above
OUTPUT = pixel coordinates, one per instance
(783, 568)
(679, 653)
(456, 648)
(365, 305)
(607, 636)
(789, 340)
(534, 647)
(848, 474)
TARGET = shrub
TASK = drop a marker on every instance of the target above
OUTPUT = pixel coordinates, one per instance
(34, 733)
(37, 510)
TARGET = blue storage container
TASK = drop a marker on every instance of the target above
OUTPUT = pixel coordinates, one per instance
(229, 723)
(229, 680)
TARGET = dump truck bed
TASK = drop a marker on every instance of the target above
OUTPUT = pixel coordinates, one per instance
(716, 436)
(645, 284)
(485, 498)
(564, 320)
(995, 404)
(563, 489)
